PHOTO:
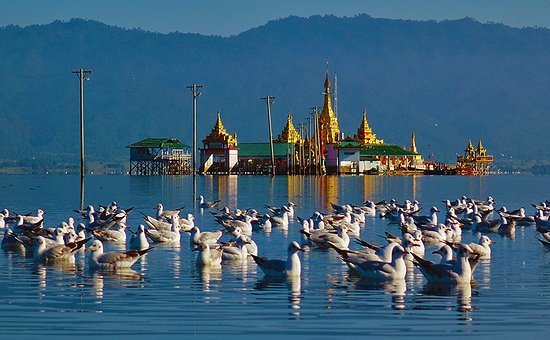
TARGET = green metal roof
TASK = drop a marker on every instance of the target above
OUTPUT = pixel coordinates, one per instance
(158, 143)
(261, 150)
(385, 150)
(349, 144)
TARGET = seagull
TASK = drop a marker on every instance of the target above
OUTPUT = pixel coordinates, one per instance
(507, 229)
(166, 214)
(246, 225)
(264, 223)
(34, 219)
(279, 211)
(323, 240)
(186, 223)
(250, 245)
(171, 237)
(290, 267)
(396, 269)
(2, 220)
(139, 239)
(446, 253)
(369, 209)
(235, 251)
(113, 236)
(459, 272)
(208, 257)
(482, 224)
(483, 247)
(430, 220)
(11, 242)
(57, 253)
(205, 204)
(113, 260)
(206, 237)
(282, 221)
(435, 237)
(380, 254)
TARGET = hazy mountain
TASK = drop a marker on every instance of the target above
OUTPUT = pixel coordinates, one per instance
(449, 81)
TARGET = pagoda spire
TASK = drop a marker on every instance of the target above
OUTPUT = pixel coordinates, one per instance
(220, 134)
(328, 122)
(480, 149)
(413, 143)
(364, 134)
(289, 133)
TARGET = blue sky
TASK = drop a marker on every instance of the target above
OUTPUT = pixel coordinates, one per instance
(227, 17)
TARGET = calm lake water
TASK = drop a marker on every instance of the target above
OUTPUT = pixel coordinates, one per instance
(165, 294)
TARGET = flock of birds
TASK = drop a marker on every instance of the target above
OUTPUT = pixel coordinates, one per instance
(335, 230)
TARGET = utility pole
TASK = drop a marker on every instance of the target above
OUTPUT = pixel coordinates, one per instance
(270, 100)
(195, 88)
(335, 95)
(309, 141)
(317, 141)
(81, 76)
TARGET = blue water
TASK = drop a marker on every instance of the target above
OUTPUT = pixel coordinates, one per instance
(166, 294)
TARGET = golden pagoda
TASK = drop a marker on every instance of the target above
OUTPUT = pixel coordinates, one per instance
(475, 161)
(289, 134)
(219, 135)
(364, 134)
(328, 122)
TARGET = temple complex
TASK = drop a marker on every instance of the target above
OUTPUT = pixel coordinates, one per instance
(317, 149)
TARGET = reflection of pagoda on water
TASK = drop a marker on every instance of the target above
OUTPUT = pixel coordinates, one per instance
(475, 161)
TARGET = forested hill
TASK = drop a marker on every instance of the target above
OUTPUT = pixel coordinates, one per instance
(448, 81)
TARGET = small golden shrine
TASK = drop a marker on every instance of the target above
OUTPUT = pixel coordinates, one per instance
(328, 122)
(219, 136)
(289, 134)
(475, 161)
(364, 134)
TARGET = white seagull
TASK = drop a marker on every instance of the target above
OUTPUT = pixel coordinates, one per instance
(290, 267)
(113, 260)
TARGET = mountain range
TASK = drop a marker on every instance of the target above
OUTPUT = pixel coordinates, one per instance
(448, 81)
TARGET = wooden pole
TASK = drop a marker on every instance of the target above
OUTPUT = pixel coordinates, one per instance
(270, 100)
(194, 88)
(81, 76)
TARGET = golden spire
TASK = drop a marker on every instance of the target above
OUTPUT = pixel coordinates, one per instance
(289, 134)
(480, 149)
(364, 134)
(218, 126)
(470, 148)
(220, 134)
(328, 123)
(413, 143)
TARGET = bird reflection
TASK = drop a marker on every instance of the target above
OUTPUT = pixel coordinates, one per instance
(294, 286)
(176, 264)
(97, 285)
(208, 274)
(41, 273)
(462, 291)
(484, 272)
(396, 288)
(119, 277)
